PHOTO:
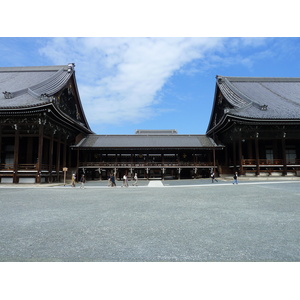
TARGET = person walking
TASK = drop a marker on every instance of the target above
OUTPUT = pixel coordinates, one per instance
(82, 180)
(135, 179)
(113, 182)
(212, 175)
(109, 183)
(125, 181)
(235, 178)
(73, 180)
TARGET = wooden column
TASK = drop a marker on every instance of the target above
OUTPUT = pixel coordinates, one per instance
(214, 160)
(284, 171)
(51, 157)
(16, 155)
(257, 154)
(234, 155)
(241, 157)
(77, 164)
(58, 159)
(65, 155)
(40, 154)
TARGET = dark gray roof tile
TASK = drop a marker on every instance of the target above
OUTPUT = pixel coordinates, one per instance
(147, 141)
(26, 84)
(280, 97)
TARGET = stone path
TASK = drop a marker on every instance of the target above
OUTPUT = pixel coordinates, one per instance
(155, 183)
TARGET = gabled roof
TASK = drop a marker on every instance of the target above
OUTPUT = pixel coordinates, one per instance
(25, 85)
(24, 88)
(147, 141)
(259, 98)
(265, 98)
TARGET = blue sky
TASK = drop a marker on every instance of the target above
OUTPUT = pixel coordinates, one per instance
(153, 83)
(142, 65)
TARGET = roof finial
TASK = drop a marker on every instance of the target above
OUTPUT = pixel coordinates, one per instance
(71, 67)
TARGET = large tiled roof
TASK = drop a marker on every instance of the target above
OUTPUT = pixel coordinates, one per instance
(25, 85)
(27, 88)
(261, 97)
(147, 141)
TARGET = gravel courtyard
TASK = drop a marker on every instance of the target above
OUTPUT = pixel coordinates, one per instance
(220, 222)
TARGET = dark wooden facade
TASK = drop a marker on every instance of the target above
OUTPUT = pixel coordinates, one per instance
(258, 121)
(150, 154)
(39, 120)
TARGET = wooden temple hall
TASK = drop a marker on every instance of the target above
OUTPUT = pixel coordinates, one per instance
(44, 135)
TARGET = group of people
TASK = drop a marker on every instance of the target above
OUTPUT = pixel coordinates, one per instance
(112, 181)
(82, 181)
(235, 178)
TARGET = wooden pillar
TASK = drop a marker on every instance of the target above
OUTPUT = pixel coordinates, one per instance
(284, 171)
(214, 160)
(58, 158)
(16, 155)
(257, 154)
(51, 157)
(77, 163)
(241, 157)
(65, 155)
(234, 155)
(40, 153)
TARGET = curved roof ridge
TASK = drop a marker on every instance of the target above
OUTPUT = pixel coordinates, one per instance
(51, 78)
(53, 84)
(231, 93)
(237, 91)
(49, 86)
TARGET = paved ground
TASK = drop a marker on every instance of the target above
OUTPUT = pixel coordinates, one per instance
(176, 221)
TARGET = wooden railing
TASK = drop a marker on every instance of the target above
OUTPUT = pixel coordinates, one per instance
(142, 164)
(6, 167)
(267, 162)
(25, 167)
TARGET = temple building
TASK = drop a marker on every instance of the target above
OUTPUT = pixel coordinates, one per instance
(150, 154)
(258, 121)
(44, 134)
(41, 116)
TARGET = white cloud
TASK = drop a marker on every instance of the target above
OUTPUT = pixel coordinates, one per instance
(119, 78)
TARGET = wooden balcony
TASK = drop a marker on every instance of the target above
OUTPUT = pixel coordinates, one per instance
(6, 167)
(269, 162)
(25, 167)
(145, 164)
